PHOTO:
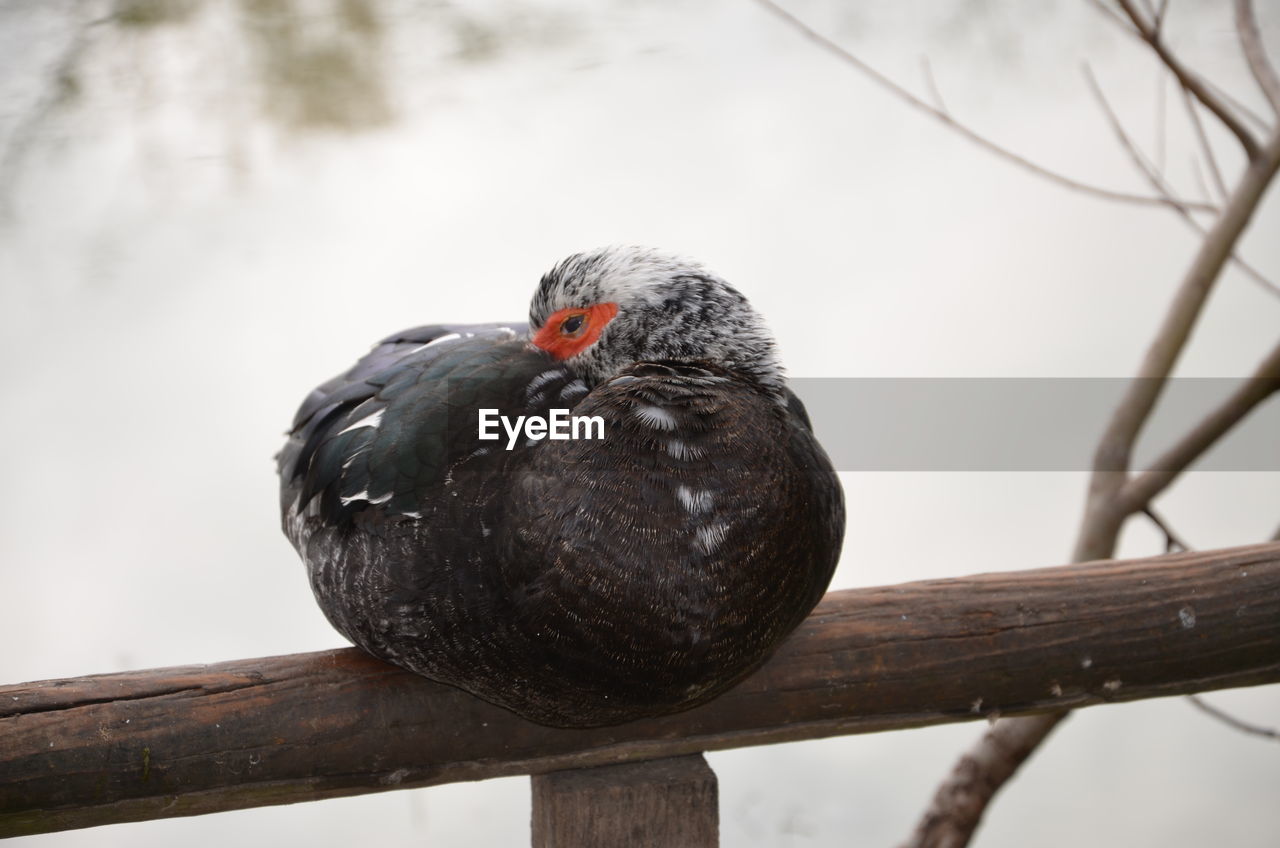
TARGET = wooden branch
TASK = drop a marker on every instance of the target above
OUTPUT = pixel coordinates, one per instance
(1255, 54)
(201, 739)
(946, 118)
(1197, 86)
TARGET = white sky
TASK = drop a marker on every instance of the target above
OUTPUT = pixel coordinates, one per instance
(177, 272)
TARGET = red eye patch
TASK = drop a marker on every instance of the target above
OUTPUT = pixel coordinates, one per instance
(571, 331)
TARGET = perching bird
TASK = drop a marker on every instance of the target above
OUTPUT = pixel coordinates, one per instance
(575, 581)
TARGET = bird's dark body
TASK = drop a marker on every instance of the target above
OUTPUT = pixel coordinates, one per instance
(575, 582)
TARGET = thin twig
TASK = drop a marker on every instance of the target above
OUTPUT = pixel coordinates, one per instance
(1232, 721)
(1162, 124)
(1206, 150)
(1198, 174)
(1203, 92)
(1256, 55)
(1152, 175)
(1145, 167)
(982, 141)
(1172, 542)
(1265, 382)
(1116, 18)
(1159, 16)
(932, 85)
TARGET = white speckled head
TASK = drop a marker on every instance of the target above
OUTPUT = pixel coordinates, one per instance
(669, 309)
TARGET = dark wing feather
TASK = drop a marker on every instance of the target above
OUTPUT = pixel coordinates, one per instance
(382, 436)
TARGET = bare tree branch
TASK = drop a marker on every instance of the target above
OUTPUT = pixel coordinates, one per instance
(961, 799)
(1105, 511)
(1206, 150)
(1203, 92)
(1256, 55)
(1232, 721)
(1152, 174)
(1127, 27)
(1265, 382)
(982, 141)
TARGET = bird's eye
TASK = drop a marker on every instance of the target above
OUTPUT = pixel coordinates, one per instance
(573, 325)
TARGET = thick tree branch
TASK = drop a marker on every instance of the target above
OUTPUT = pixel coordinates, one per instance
(1256, 55)
(1192, 81)
(945, 117)
(961, 799)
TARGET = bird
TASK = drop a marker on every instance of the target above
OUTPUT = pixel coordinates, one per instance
(577, 582)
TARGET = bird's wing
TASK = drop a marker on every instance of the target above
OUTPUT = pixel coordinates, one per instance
(382, 435)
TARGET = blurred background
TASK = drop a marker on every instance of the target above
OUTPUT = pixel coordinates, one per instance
(206, 208)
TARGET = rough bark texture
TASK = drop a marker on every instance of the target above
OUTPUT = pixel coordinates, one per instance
(200, 739)
(633, 805)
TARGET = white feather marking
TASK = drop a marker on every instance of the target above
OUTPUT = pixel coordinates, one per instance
(694, 501)
(709, 536)
(542, 379)
(368, 421)
(656, 417)
(411, 514)
(679, 450)
(346, 463)
(364, 496)
(447, 337)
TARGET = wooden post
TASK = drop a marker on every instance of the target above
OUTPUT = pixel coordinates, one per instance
(669, 803)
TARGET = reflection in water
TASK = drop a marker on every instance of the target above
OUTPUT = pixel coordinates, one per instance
(318, 71)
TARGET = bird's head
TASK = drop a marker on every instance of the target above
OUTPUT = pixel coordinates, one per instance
(607, 309)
